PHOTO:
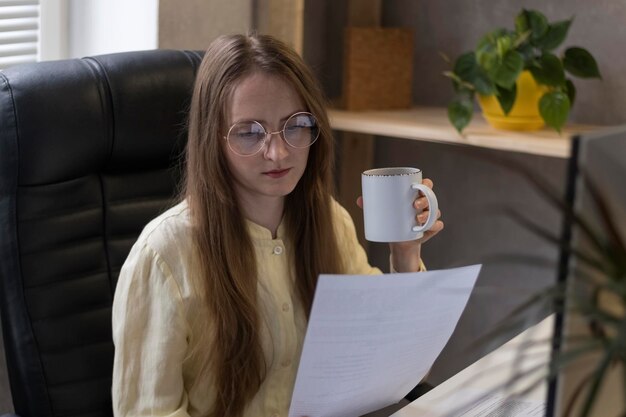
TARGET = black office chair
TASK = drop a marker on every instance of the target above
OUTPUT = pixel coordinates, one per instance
(89, 153)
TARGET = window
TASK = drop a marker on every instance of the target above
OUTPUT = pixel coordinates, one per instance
(19, 32)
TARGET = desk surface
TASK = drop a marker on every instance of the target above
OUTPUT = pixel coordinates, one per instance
(493, 375)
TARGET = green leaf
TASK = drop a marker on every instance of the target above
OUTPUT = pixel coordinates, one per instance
(488, 60)
(538, 24)
(503, 45)
(483, 83)
(521, 40)
(554, 36)
(537, 72)
(521, 23)
(487, 49)
(460, 112)
(580, 62)
(534, 21)
(506, 98)
(571, 91)
(527, 51)
(554, 109)
(548, 70)
(468, 70)
(465, 66)
(505, 73)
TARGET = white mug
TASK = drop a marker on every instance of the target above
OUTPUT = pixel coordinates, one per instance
(388, 211)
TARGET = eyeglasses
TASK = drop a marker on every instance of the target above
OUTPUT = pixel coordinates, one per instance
(248, 138)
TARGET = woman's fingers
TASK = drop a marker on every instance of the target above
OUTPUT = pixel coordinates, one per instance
(428, 182)
(423, 216)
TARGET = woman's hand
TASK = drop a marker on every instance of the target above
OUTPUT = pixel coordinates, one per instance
(406, 256)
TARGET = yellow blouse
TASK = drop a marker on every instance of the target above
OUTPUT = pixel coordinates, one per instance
(157, 312)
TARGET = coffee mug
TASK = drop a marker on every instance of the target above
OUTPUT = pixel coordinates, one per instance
(388, 211)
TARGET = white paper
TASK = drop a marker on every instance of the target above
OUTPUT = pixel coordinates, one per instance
(372, 338)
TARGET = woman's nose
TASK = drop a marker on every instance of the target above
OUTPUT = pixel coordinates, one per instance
(276, 148)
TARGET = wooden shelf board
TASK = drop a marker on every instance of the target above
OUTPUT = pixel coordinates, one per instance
(431, 124)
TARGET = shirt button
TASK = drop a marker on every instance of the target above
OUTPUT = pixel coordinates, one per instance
(286, 363)
(278, 250)
(285, 307)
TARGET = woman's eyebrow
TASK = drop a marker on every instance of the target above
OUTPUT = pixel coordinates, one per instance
(263, 121)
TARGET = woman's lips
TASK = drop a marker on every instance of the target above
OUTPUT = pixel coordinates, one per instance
(277, 173)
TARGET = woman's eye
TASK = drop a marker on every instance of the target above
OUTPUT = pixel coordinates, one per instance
(298, 127)
(247, 131)
(247, 135)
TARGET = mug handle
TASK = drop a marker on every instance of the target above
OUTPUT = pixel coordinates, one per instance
(433, 207)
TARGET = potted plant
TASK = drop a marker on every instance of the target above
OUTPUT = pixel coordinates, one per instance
(517, 72)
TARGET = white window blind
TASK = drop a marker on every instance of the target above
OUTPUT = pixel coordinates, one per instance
(19, 31)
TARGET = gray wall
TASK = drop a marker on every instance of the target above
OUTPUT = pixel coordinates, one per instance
(469, 188)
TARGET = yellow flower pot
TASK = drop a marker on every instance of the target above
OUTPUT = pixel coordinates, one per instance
(525, 112)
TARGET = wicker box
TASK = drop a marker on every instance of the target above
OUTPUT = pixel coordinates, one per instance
(378, 68)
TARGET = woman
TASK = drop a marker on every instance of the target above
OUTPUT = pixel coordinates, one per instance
(212, 303)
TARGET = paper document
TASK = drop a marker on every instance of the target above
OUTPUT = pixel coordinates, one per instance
(372, 338)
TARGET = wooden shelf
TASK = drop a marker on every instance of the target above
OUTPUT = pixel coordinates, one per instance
(431, 124)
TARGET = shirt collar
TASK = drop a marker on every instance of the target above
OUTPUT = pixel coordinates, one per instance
(262, 233)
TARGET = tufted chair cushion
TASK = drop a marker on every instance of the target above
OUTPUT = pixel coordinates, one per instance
(89, 153)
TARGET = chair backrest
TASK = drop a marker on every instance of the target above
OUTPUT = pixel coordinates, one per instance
(89, 153)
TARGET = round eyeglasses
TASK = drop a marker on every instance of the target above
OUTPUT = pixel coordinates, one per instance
(248, 138)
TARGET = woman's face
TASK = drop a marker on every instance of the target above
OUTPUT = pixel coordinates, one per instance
(275, 170)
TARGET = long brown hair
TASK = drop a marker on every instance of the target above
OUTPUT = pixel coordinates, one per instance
(234, 357)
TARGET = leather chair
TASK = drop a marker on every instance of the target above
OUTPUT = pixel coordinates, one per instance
(89, 153)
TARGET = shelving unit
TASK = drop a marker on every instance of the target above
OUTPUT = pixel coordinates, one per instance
(431, 124)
